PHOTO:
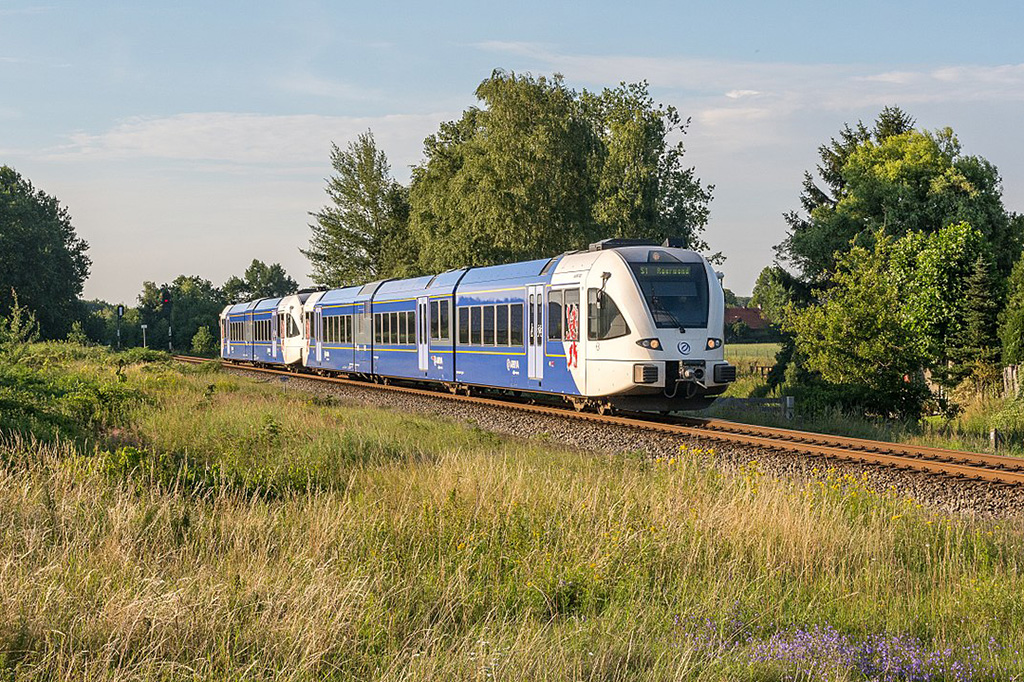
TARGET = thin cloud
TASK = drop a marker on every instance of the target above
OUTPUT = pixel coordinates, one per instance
(222, 141)
(816, 86)
(309, 84)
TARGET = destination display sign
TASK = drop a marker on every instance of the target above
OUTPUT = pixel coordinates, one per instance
(668, 270)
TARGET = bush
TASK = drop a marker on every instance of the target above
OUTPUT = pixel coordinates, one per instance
(204, 343)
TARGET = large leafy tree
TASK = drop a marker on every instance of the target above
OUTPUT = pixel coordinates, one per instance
(857, 337)
(259, 281)
(933, 274)
(539, 169)
(644, 188)
(362, 234)
(508, 181)
(41, 256)
(898, 180)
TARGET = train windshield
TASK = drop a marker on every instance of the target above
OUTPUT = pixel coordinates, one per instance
(676, 293)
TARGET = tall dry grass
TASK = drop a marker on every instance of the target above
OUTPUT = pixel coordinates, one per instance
(369, 544)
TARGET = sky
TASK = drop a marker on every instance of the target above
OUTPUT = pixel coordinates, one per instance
(192, 137)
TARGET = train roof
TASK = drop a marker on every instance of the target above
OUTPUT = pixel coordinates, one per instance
(334, 296)
(265, 304)
(443, 283)
(528, 271)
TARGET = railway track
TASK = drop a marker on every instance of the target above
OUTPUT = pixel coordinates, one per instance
(954, 464)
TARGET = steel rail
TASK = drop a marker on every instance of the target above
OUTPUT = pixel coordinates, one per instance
(955, 464)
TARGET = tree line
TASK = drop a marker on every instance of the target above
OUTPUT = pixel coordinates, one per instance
(900, 283)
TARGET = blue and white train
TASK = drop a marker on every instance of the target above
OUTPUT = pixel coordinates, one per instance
(629, 325)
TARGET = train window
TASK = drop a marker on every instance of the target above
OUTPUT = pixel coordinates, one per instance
(604, 321)
(488, 337)
(474, 325)
(571, 308)
(445, 320)
(555, 315)
(348, 329)
(410, 327)
(676, 293)
(376, 328)
(464, 326)
(435, 317)
(401, 327)
(501, 324)
(515, 324)
(394, 327)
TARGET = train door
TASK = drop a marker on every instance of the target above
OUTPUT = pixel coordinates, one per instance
(362, 350)
(422, 329)
(535, 331)
(274, 327)
(316, 332)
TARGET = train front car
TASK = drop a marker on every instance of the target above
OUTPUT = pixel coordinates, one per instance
(653, 327)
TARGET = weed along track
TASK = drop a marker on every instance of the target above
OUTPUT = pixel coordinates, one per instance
(996, 482)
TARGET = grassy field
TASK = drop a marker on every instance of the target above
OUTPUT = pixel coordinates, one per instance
(182, 523)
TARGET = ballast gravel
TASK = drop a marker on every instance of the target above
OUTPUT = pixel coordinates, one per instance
(960, 497)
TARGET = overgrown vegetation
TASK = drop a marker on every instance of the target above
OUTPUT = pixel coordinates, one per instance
(903, 251)
(217, 527)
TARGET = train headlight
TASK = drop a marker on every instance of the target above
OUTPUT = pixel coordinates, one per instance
(714, 343)
(650, 344)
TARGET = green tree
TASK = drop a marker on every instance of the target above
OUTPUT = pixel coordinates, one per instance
(644, 189)
(1011, 322)
(259, 281)
(932, 272)
(857, 338)
(539, 169)
(977, 353)
(41, 256)
(204, 342)
(194, 302)
(898, 180)
(508, 181)
(362, 235)
(774, 290)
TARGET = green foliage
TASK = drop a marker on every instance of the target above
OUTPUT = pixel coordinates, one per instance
(510, 181)
(41, 256)
(1011, 323)
(898, 180)
(18, 328)
(644, 190)
(195, 303)
(204, 342)
(540, 169)
(259, 281)
(857, 338)
(976, 352)
(77, 334)
(46, 397)
(362, 235)
(774, 290)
